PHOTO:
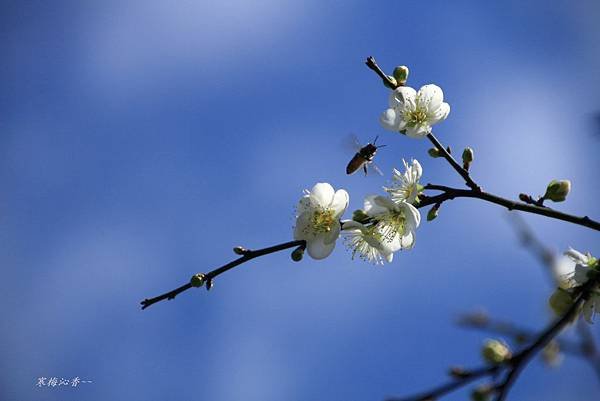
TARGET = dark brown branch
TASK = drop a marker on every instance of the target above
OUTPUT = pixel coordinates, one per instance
(465, 378)
(513, 366)
(459, 169)
(372, 64)
(449, 193)
(475, 190)
(587, 347)
(518, 362)
(208, 277)
(519, 335)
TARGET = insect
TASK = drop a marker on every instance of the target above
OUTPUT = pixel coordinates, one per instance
(364, 156)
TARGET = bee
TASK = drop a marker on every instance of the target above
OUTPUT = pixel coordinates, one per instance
(364, 157)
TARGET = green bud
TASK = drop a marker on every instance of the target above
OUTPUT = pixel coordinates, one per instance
(495, 351)
(197, 280)
(298, 254)
(552, 355)
(392, 83)
(560, 301)
(467, 155)
(434, 152)
(240, 250)
(360, 216)
(482, 393)
(401, 74)
(558, 190)
(433, 213)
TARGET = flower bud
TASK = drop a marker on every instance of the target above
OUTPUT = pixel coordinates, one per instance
(558, 190)
(560, 301)
(298, 254)
(495, 351)
(525, 198)
(552, 355)
(434, 152)
(209, 284)
(433, 212)
(401, 74)
(240, 250)
(482, 393)
(467, 155)
(197, 280)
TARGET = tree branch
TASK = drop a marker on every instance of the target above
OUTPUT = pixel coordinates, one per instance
(449, 193)
(459, 169)
(464, 378)
(518, 362)
(207, 278)
(475, 190)
(479, 321)
(514, 365)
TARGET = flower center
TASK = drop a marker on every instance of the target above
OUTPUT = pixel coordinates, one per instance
(391, 224)
(322, 220)
(416, 117)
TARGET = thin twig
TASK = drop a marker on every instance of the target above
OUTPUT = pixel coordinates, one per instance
(208, 277)
(449, 193)
(475, 190)
(514, 365)
(459, 169)
(465, 378)
(518, 362)
(587, 347)
(519, 335)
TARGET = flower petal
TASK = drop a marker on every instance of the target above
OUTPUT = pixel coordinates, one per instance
(318, 249)
(333, 234)
(372, 208)
(418, 131)
(577, 256)
(412, 215)
(408, 240)
(430, 97)
(390, 120)
(304, 205)
(302, 223)
(440, 114)
(417, 170)
(322, 194)
(339, 202)
(403, 96)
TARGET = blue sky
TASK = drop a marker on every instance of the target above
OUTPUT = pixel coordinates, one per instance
(140, 141)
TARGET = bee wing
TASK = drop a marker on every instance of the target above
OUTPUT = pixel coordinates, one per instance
(374, 167)
(351, 143)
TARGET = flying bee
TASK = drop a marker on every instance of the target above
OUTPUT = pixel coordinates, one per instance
(364, 157)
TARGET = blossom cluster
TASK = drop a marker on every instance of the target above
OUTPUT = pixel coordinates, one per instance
(384, 225)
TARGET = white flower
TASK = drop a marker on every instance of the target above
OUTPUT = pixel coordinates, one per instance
(367, 242)
(414, 112)
(577, 273)
(397, 222)
(406, 186)
(318, 219)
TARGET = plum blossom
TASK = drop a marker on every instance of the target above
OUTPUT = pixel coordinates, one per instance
(413, 113)
(318, 219)
(406, 185)
(389, 227)
(582, 267)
